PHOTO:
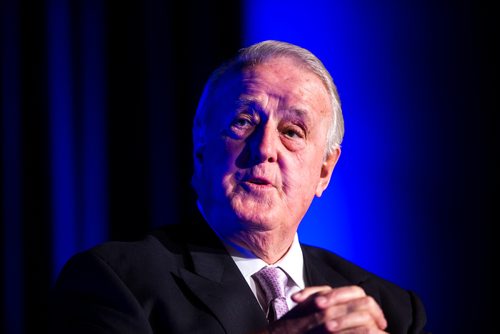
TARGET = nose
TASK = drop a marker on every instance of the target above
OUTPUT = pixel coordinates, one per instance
(263, 143)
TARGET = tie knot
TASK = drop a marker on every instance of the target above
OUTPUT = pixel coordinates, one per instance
(272, 281)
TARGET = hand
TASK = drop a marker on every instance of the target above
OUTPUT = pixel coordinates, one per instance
(322, 309)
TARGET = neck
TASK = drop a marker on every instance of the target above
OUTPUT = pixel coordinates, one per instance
(268, 245)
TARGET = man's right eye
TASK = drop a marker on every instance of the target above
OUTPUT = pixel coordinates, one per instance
(241, 123)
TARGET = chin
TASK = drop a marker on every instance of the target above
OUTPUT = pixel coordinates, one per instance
(256, 215)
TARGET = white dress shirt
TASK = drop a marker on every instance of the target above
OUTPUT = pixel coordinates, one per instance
(292, 264)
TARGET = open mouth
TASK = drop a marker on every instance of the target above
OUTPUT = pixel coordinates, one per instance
(259, 181)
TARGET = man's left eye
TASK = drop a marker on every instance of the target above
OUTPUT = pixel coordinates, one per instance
(293, 133)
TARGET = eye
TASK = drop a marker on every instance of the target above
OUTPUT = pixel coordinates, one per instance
(293, 132)
(242, 122)
(241, 126)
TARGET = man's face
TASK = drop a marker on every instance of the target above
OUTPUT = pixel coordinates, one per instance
(264, 156)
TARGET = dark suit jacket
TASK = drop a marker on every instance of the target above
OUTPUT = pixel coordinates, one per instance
(180, 279)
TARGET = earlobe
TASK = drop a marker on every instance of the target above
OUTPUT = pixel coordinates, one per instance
(327, 170)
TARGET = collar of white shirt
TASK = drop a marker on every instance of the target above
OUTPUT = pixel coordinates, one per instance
(292, 263)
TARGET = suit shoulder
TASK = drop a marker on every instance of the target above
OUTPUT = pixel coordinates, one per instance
(353, 273)
(169, 238)
(161, 248)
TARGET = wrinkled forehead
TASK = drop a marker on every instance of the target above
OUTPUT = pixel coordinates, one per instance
(240, 79)
(237, 71)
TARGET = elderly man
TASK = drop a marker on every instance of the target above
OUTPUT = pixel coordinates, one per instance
(267, 136)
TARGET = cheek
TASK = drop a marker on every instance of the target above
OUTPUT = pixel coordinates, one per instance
(302, 174)
(220, 158)
(296, 176)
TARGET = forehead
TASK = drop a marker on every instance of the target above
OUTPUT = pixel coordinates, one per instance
(283, 79)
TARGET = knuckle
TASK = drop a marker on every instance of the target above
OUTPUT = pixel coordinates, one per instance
(364, 315)
(371, 301)
(336, 311)
(368, 301)
(358, 289)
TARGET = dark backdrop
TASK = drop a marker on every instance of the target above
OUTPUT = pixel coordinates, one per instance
(97, 100)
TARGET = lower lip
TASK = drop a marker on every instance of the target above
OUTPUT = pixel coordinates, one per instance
(257, 186)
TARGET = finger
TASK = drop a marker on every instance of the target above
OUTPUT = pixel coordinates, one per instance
(361, 319)
(339, 296)
(361, 305)
(296, 324)
(360, 330)
(302, 295)
(369, 304)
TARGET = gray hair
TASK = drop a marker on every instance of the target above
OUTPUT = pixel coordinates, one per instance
(257, 54)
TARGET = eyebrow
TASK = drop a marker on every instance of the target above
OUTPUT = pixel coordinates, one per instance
(299, 112)
(245, 101)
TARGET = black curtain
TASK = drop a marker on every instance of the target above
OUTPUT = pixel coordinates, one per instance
(143, 64)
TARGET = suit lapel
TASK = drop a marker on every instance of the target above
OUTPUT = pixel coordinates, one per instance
(317, 272)
(218, 283)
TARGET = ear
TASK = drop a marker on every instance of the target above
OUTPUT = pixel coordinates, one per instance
(199, 143)
(199, 151)
(327, 170)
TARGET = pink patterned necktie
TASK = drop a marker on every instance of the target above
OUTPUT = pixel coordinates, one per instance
(273, 280)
